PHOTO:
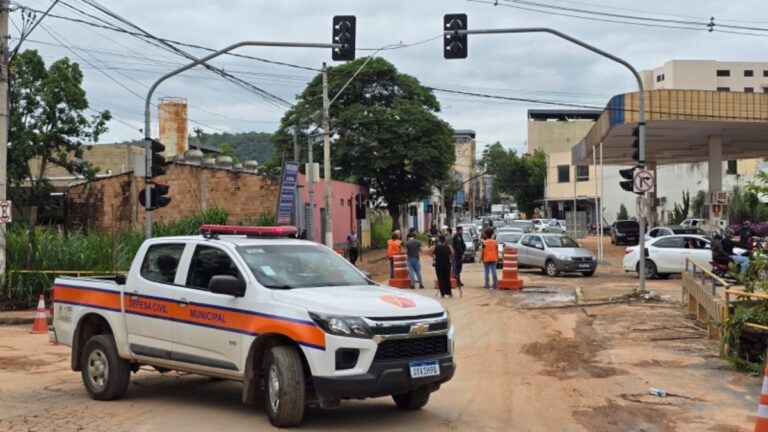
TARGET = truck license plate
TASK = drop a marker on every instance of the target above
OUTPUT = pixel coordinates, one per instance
(584, 266)
(424, 369)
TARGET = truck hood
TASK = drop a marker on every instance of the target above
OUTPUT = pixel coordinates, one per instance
(363, 300)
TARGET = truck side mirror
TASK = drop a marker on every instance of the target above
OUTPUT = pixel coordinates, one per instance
(227, 284)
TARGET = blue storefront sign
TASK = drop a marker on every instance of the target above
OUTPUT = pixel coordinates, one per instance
(287, 192)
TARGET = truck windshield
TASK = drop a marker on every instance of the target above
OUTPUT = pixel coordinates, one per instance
(299, 266)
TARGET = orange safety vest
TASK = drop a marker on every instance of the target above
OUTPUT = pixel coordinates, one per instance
(393, 247)
(490, 251)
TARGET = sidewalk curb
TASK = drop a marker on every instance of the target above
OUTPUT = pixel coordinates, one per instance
(15, 321)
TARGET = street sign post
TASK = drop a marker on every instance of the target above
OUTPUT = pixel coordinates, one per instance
(287, 192)
(643, 181)
(640, 206)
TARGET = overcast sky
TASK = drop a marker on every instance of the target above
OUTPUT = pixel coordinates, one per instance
(118, 67)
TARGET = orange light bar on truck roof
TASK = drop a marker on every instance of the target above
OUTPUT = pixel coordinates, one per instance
(251, 231)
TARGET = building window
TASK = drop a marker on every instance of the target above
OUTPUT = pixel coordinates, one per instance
(582, 173)
(731, 168)
(563, 173)
(749, 73)
(660, 78)
(749, 89)
(765, 73)
(765, 89)
(723, 89)
(723, 73)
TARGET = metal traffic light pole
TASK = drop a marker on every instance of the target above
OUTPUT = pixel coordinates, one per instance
(641, 107)
(147, 125)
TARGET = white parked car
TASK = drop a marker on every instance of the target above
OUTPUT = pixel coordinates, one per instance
(666, 255)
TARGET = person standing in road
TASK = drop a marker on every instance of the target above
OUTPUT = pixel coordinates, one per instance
(442, 254)
(458, 254)
(394, 246)
(490, 257)
(413, 249)
(353, 246)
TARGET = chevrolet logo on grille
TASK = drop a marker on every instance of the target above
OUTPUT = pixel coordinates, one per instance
(418, 329)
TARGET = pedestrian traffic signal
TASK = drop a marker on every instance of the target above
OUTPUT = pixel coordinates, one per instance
(344, 34)
(636, 144)
(627, 174)
(454, 44)
(157, 197)
(158, 160)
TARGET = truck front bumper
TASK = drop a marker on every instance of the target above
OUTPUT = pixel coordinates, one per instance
(576, 266)
(383, 378)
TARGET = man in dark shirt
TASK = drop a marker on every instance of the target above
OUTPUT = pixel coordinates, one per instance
(458, 254)
(413, 249)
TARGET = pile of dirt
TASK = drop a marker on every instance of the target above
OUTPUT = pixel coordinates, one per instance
(571, 358)
(614, 417)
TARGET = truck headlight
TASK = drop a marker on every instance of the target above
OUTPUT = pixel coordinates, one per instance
(562, 257)
(342, 325)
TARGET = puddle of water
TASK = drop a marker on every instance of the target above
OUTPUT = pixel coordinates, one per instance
(545, 296)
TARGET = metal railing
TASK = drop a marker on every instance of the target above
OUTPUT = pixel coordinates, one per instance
(700, 294)
(76, 273)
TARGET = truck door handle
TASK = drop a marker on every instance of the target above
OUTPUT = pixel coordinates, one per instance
(182, 302)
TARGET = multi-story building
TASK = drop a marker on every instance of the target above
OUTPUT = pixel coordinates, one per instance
(748, 77)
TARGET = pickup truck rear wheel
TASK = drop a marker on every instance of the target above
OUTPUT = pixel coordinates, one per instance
(105, 375)
(284, 387)
(413, 400)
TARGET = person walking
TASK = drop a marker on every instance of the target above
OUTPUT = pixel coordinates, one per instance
(458, 254)
(394, 246)
(442, 254)
(353, 246)
(413, 249)
(490, 257)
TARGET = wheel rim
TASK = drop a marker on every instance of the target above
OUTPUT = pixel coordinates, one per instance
(274, 388)
(551, 269)
(98, 368)
(648, 268)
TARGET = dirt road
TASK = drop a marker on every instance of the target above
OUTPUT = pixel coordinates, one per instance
(520, 368)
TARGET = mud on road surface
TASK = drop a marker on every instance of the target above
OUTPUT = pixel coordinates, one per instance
(527, 361)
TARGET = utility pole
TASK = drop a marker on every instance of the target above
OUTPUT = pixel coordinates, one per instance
(327, 159)
(296, 206)
(311, 185)
(4, 123)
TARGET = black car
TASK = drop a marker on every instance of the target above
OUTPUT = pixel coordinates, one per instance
(625, 232)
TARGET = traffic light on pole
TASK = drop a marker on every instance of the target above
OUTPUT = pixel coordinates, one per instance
(636, 144)
(454, 44)
(157, 197)
(158, 160)
(627, 175)
(344, 34)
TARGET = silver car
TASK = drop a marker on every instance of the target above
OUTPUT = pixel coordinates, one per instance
(555, 253)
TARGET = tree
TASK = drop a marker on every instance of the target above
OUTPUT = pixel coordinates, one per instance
(47, 126)
(387, 135)
(699, 205)
(622, 214)
(523, 176)
(679, 213)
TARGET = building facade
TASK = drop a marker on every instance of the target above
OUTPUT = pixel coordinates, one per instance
(748, 77)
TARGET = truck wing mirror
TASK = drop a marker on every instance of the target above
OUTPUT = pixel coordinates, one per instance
(227, 284)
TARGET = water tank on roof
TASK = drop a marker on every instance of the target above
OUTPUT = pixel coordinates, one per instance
(224, 162)
(172, 119)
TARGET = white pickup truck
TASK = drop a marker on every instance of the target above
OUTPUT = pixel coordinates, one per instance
(292, 320)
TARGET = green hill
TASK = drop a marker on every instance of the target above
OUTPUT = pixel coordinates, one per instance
(245, 145)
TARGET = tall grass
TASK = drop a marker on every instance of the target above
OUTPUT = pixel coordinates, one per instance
(75, 251)
(381, 231)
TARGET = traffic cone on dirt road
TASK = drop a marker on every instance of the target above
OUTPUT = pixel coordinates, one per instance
(41, 321)
(400, 279)
(761, 424)
(509, 277)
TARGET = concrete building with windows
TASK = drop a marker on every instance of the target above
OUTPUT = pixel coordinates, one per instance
(747, 77)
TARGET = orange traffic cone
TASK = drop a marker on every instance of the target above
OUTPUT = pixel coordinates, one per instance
(400, 279)
(41, 321)
(761, 424)
(509, 277)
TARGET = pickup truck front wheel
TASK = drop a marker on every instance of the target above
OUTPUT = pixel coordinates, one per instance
(105, 375)
(413, 400)
(284, 387)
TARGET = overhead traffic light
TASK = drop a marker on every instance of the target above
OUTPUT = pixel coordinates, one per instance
(627, 174)
(344, 34)
(454, 44)
(158, 160)
(157, 197)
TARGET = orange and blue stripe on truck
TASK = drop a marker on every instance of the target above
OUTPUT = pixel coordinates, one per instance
(304, 332)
